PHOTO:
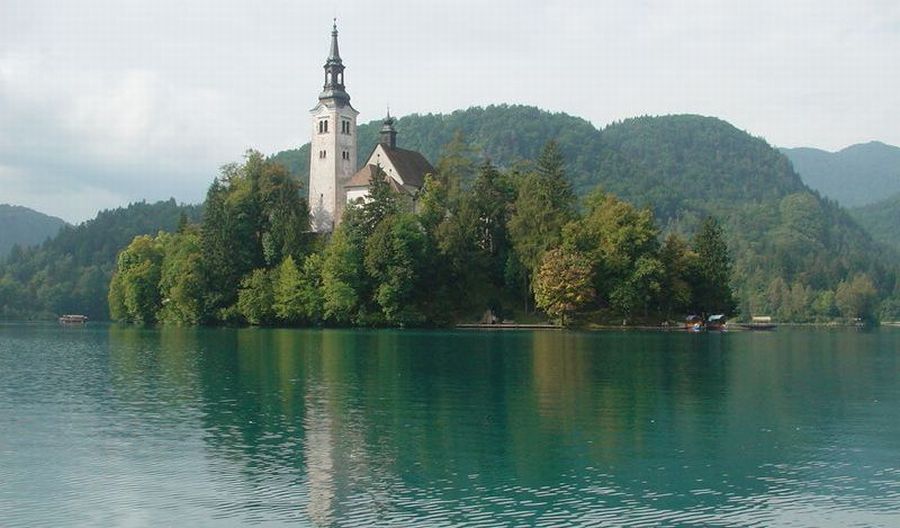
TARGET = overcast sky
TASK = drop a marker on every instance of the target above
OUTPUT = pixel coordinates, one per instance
(106, 102)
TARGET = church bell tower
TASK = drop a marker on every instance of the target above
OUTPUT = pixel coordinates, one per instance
(332, 160)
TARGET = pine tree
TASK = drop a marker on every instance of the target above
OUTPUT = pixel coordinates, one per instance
(712, 275)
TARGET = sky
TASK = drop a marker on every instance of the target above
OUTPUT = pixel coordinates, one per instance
(104, 102)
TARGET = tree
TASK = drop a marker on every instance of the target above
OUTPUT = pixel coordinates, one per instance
(712, 274)
(677, 261)
(310, 288)
(456, 167)
(134, 293)
(381, 202)
(564, 283)
(395, 255)
(641, 287)
(254, 217)
(255, 298)
(544, 204)
(857, 298)
(287, 292)
(182, 282)
(551, 167)
(615, 236)
(343, 274)
(285, 214)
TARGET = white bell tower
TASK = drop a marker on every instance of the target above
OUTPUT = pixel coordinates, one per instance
(332, 152)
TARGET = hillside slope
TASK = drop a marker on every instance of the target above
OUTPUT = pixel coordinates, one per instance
(881, 220)
(25, 227)
(783, 235)
(857, 175)
(504, 134)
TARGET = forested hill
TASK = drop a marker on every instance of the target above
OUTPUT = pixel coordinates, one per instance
(70, 273)
(881, 219)
(855, 176)
(792, 248)
(669, 162)
(502, 133)
(25, 227)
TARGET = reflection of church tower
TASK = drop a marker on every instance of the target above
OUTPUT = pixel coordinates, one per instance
(332, 160)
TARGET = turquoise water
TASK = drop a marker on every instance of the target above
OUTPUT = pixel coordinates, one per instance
(112, 426)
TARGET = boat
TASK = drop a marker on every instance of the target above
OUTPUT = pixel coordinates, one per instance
(694, 323)
(72, 319)
(760, 322)
(716, 323)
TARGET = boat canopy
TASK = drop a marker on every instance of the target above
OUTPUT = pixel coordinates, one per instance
(717, 317)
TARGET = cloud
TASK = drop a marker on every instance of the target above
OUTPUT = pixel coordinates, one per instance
(127, 134)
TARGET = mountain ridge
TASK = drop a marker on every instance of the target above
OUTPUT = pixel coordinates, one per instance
(22, 226)
(856, 175)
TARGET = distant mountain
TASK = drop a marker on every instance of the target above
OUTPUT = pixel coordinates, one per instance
(855, 176)
(25, 227)
(784, 236)
(881, 220)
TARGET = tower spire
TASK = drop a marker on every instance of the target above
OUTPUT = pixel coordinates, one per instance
(334, 73)
(334, 55)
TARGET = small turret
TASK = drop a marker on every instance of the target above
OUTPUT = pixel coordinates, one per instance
(388, 134)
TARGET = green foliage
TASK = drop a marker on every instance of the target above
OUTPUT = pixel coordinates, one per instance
(255, 298)
(621, 243)
(678, 262)
(381, 203)
(712, 270)
(182, 282)
(396, 254)
(343, 274)
(254, 217)
(134, 291)
(881, 220)
(71, 272)
(857, 298)
(563, 283)
(477, 236)
(544, 203)
(287, 292)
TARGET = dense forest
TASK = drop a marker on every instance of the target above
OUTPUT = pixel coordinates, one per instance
(23, 227)
(502, 243)
(794, 254)
(793, 249)
(70, 273)
(882, 220)
(855, 176)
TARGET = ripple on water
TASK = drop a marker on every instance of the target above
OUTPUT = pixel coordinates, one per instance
(230, 428)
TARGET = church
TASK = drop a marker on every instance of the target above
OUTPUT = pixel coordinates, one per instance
(334, 180)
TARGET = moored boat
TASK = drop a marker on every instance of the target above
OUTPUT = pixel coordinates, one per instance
(72, 319)
(761, 322)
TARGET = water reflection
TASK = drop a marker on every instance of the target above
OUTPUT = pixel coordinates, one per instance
(339, 427)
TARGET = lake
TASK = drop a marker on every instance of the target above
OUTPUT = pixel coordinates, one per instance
(122, 426)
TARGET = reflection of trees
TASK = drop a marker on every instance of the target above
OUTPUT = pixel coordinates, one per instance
(156, 368)
(329, 424)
